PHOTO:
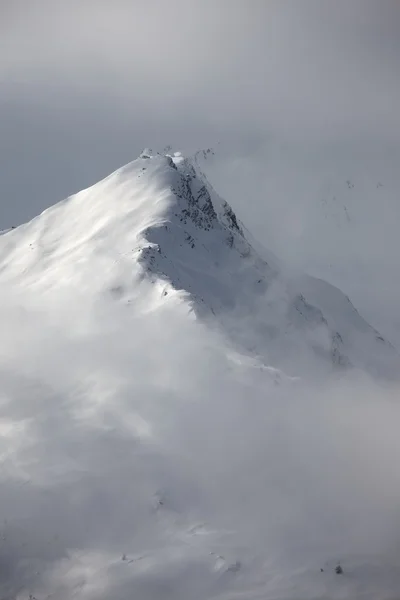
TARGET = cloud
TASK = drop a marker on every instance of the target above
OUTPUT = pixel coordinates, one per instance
(137, 457)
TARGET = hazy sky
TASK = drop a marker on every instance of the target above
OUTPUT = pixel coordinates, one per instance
(301, 95)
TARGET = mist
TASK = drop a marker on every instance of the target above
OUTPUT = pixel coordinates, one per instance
(137, 454)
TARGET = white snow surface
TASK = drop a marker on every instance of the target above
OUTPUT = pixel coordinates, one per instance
(182, 417)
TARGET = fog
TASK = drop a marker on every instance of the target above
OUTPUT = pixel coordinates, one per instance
(138, 455)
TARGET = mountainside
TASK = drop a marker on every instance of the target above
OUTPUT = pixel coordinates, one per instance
(158, 219)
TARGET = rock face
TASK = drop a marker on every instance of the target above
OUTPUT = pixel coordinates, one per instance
(158, 219)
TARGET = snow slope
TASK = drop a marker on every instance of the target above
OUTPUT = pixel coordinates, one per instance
(158, 218)
(152, 443)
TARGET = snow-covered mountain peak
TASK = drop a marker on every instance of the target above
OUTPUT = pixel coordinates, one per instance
(146, 454)
(155, 229)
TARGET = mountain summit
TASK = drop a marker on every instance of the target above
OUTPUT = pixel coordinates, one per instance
(158, 220)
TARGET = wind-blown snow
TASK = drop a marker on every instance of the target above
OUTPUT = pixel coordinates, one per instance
(155, 441)
(158, 219)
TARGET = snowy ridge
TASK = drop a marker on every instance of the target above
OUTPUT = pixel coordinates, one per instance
(158, 218)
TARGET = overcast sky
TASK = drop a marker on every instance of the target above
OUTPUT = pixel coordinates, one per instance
(300, 95)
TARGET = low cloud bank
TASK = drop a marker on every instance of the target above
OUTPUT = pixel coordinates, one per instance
(141, 457)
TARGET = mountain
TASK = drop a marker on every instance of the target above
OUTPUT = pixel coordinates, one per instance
(159, 220)
(181, 416)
